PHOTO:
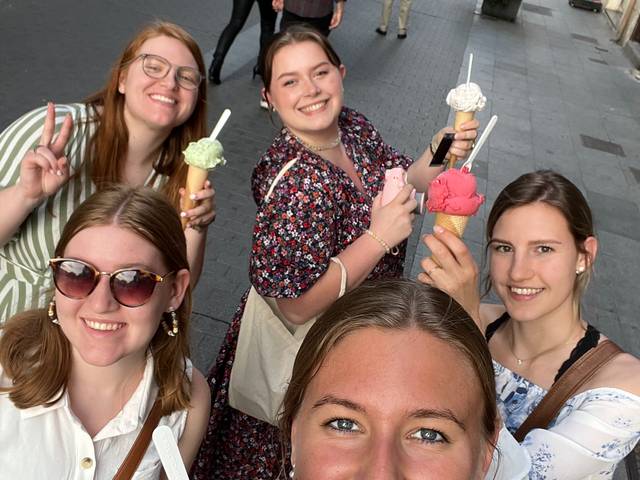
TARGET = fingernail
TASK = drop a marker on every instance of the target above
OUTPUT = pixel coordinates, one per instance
(438, 229)
(192, 196)
(183, 214)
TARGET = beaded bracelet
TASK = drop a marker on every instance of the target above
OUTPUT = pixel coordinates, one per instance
(385, 245)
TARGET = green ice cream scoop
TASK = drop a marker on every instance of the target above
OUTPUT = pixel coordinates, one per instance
(205, 154)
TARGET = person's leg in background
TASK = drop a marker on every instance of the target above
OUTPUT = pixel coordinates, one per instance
(239, 14)
(268, 18)
(403, 18)
(386, 15)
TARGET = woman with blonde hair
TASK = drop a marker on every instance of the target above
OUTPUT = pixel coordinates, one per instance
(80, 378)
(393, 381)
(132, 131)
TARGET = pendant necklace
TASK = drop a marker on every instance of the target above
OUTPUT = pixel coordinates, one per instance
(522, 361)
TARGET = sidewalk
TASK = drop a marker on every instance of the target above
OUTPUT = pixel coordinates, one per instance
(565, 101)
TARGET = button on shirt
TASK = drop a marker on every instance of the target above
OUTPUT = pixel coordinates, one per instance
(50, 442)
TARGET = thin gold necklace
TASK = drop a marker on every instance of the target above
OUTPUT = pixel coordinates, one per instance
(319, 148)
(521, 361)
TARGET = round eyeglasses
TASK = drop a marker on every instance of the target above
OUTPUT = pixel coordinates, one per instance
(131, 287)
(159, 67)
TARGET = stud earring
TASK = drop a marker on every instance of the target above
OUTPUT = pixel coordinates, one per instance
(51, 312)
(173, 330)
(579, 270)
(292, 473)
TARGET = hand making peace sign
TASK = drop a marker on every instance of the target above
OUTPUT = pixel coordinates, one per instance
(45, 168)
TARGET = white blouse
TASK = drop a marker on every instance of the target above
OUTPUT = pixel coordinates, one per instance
(593, 431)
(50, 442)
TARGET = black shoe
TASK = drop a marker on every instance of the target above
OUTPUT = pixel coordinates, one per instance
(402, 35)
(214, 70)
(379, 31)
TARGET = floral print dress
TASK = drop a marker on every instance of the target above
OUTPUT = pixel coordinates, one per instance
(315, 211)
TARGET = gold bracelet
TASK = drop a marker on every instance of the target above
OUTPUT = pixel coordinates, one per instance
(385, 245)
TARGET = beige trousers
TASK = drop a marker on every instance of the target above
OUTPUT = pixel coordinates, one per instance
(403, 15)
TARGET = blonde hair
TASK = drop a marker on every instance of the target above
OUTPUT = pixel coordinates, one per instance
(35, 353)
(107, 148)
(393, 305)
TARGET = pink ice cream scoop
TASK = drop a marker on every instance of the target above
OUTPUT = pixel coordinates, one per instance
(454, 192)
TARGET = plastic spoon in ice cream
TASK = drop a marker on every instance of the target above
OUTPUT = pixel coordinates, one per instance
(223, 119)
(480, 142)
(169, 454)
(469, 69)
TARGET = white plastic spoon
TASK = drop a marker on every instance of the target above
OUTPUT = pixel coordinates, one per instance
(169, 453)
(223, 119)
(480, 142)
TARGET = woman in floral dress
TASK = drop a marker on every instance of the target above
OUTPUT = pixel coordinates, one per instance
(542, 249)
(326, 206)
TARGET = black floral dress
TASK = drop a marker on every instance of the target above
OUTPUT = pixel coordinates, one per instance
(315, 211)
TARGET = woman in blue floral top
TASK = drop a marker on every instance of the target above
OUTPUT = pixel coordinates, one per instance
(326, 206)
(542, 249)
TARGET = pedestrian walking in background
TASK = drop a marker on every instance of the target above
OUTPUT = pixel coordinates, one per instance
(323, 15)
(133, 131)
(403, 17)
(320, 229)
(239, 15)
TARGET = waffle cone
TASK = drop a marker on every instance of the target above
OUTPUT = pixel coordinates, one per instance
(459, 119)
(454, 223)
(195, 182)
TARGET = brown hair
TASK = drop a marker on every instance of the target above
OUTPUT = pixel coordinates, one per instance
(107, 149)
(292, 35)
(393, 305)
(557, 191)
(34, 352)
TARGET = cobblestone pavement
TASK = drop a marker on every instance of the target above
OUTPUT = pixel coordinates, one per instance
(561, 88)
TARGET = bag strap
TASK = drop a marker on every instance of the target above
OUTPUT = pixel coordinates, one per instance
(281, 173)
(565, 387)
(139, 447)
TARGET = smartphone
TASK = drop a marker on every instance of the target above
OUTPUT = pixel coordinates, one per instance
(443, 148)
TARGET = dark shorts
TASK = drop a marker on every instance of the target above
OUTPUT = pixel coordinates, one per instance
(321, 23)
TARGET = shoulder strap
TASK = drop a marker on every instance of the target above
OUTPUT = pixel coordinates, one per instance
(139, 447)
(281, 173)
(566, 386)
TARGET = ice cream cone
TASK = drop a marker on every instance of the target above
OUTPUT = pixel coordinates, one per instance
(459, 119)
(454, 223)
(195, 182)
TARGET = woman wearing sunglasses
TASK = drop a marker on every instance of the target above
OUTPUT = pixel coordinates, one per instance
(79, 378)
(132, 131)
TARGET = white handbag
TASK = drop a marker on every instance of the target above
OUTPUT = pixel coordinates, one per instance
(266, 350)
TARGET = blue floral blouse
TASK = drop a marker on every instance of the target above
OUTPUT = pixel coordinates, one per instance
(594, 430)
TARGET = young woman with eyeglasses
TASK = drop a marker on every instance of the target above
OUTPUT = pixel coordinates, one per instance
(132, 131)
(79, 378)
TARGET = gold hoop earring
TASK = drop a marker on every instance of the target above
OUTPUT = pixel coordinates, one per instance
(173, 330)
(51, 312)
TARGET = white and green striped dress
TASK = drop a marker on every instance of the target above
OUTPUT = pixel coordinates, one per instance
(25, 280)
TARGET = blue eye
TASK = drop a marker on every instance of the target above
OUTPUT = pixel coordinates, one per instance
(429, 435)
(344, 425)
